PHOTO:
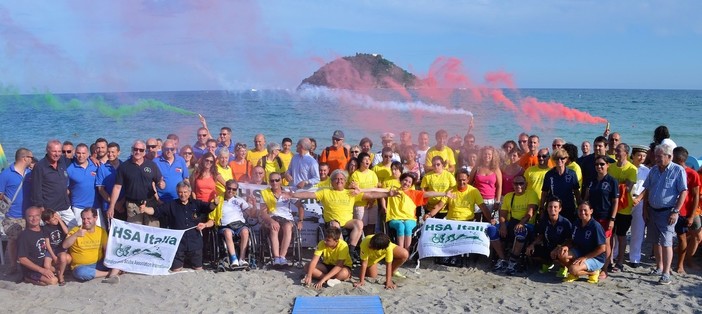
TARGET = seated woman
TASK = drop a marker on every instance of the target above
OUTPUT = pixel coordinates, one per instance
(552, 231)
(585, 253)
(376, 248)
(277, 215)
(336, 261)
(401, 210)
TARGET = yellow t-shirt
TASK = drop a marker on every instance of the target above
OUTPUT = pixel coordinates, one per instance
(383, 172)
(365, 180)
(517, 205)
(437, 183)
(253, 156)
(375, 256)
(227, 175)
(326, 183)
(535, 178)
(404, 206)
(332, 255)
(286, 158)
(87, 249)
(271, 167)
(392, 183)
(462, 207)
(579, 172)
(626, 173)
(446, 153)
(338, 205)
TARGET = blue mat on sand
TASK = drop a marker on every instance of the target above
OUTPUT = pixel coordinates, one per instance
(340, 304)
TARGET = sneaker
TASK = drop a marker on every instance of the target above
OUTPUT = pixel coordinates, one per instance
(283, 261)
(570, 278)
(665, 280)
(511, 268)
(234, 263)
(545, 268)
(619, 267)
(243, 263)
(276, 261)
(562, 272)
(656, 272)
(333, 282)
(500, 265)
(594, 277)
(111, 280)
(634, 265)
(398, 274)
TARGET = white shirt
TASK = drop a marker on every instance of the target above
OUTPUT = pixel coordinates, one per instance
(233, 210)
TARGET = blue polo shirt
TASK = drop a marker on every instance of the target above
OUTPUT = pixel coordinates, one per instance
(199, 152)
(586, 239)
(602, 194)
(230, 147)
(665, 186)
(172, 174)
(81, 183)
(106, 176)
(10, 180)
(555, 234)
(562, 186)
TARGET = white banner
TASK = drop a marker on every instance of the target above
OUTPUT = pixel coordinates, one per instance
(442, 237)
(141, 249)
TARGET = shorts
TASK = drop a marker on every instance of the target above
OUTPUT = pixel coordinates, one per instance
(605, 224)
(194, 258)
(13, 227)
(135, 216)
(592, 264)
(681, 225)
(490, 204)
(32, 275)
(622, 224)
(403, 227)
(696, 223)
(661, 233)
(543, 252)
(235, 232)
(87, 272)
(369, 215)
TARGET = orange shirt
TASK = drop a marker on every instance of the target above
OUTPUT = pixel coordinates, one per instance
(336, 158)
(240, 170)
(527, 161)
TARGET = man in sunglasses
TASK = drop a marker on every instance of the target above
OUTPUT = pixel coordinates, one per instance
(68, 150)
(535, 174)
(152, 150)
(388, 141)
(337, 155)
(174, 170)
(225, 139)
(138, 177)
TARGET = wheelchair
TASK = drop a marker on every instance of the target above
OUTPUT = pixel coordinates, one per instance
(265, 250)
(216, 256)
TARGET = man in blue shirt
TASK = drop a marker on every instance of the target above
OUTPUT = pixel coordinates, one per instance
(81, 182)
(15, 184)
(173, 169)
(304, 170)
(666, 190)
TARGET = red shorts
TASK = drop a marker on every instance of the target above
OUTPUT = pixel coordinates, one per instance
(605, 224)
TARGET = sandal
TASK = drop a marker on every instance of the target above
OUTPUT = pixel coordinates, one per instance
(61, 283)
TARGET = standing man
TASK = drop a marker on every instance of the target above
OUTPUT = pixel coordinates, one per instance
(173, 169)
(530, 158)
(441, 149)
(406, 142)
(336, 156)
(101, 150)
(304, 170)
(535, 175)
(688, 226)
(105, 181)
(258, 151)
(587, 163)
(67, 150)
(32, 251)
(225, 139)
(638, 226)
(286, 154)
(152, 149)
(626, 174)
(422, 150)
(523, 142)
(666, 190)
(81, 182)
(15, 187)
(388, 141)
(613, 140)
(138, 176)
(49, 182)
(200, 146)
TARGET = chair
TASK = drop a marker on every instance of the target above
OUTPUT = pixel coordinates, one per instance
(265, 249)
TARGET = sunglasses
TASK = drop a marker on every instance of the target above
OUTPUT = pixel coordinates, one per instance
(600, 164)
(543, 156)
(187, 153)
(202, 135)
(223, 134)
(141, 150)
(519, 183)
(67, 151)
(522, 141)
(229, 188)
(240, 146)
(209, 160)
(355, 152)
(562, 158)
(275, 180)
(169, 149)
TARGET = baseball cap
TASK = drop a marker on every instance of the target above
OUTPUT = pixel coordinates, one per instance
(338, 134)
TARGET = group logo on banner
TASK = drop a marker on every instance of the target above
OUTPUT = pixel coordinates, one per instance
(443, 238)
(141, 249)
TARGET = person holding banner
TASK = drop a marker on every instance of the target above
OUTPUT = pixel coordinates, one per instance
(338, 205)
(277, 215)
(185, 213)
(586, 251)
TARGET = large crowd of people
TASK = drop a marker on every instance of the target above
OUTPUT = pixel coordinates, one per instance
(570, 212)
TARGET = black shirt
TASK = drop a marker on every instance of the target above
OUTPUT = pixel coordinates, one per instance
(136, 179)
(49, 185)
(587, 167)
(32, 245)
(183, 216)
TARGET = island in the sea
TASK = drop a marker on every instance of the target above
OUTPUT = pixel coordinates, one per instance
(362, 71)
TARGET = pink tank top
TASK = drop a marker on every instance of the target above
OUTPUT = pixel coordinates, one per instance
(205, 189)
(486, 185)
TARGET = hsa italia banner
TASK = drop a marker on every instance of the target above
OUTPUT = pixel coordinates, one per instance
(442, 237)
(141, 249)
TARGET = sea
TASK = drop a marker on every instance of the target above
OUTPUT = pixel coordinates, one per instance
(29, 120)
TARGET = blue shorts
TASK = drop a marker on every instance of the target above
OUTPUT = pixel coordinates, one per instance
(592, 264)
(235, 232)
(403, 227)
(87, 272)
(663, 233)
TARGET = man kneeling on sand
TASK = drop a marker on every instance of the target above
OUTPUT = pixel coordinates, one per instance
(374, 249)
(86, 244)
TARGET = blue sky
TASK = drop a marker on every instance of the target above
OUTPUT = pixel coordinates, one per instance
(93, 46)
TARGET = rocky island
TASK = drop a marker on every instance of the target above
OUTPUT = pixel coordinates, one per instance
(362, 71)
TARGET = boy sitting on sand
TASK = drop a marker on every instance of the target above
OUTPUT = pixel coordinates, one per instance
(56, 230)
(374, 249)
(336, 261)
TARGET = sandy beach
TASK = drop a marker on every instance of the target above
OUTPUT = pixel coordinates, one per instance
(435, 288)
